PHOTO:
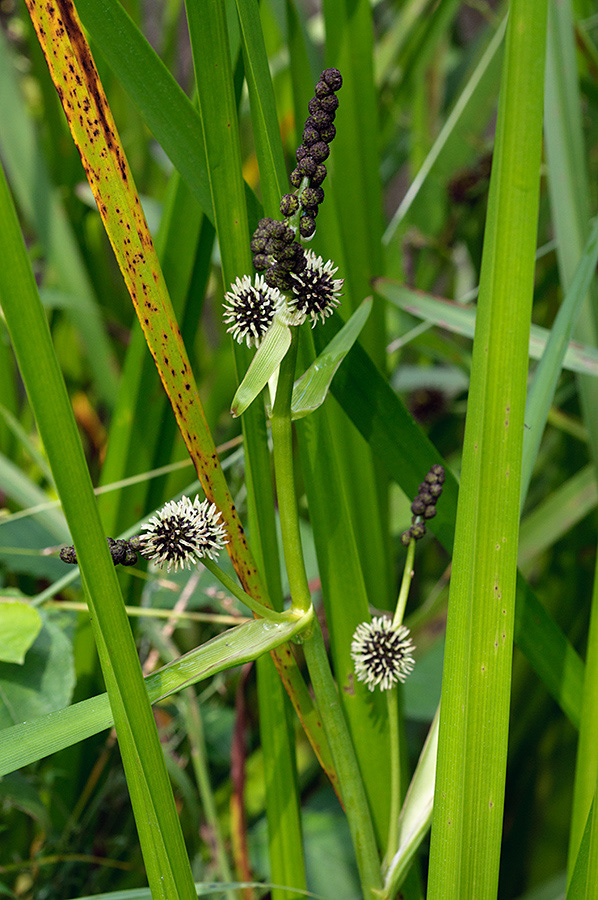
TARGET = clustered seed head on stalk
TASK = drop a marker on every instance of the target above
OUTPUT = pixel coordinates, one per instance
(296, 285)
(181, 533)
(424, 505)
(382, 649)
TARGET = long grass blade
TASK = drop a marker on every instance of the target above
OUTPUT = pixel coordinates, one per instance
(469, 798)
(153, 802)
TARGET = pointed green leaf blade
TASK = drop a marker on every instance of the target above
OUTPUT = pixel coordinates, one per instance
(270, 354)
(311, 389)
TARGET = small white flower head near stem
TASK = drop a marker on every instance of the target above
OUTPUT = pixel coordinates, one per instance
(183, 532)
(315, 292)
(250, 308)
(381, 654)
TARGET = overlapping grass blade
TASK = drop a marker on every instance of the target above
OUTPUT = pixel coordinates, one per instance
(159, 829)
(29, 741)
(218, 110)
(43, 209)
(569, 193)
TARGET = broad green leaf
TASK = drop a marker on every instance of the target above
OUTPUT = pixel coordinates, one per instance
(264, 364)
(311, 389)
(43, 683)
(20, 624)
(460, 319)
(18, 791)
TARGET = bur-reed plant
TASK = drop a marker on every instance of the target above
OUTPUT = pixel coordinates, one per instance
(311, 541)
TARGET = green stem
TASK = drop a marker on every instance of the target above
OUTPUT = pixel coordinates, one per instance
(395, 774)
(282, 439)
(393, 717)
(353, 793)
(264, 612)
(405, 585)
(335, 725)
(195, 732)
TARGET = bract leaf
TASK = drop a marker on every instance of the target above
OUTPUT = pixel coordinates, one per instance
(311, 389)
(270, 354)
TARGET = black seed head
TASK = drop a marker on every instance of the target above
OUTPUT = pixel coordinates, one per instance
(319, 175)
(310, 136)
(312, 196)
(328, 133)
(329, 103)
(321, 89)
(308, 165)
(307, 226)
(318, 152)
(333, 78)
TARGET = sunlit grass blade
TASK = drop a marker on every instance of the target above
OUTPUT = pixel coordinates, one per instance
(469, 797)
(166, 109)
(416, 813)
(42, 206)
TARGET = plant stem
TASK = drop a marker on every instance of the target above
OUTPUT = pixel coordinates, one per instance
(353, 793)
(405, 585)
(395, 775)
(282, 439)
(264, 612)
(393, 716)
(343, 753)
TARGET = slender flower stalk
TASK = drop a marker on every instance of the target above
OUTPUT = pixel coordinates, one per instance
(382, 649)
(351, 784)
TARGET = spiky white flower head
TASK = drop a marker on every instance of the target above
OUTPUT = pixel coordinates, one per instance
(382, 654)
(249, 309)
(315, 292)
(183, 532)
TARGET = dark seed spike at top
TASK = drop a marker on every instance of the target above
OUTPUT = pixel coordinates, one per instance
(424, 505)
